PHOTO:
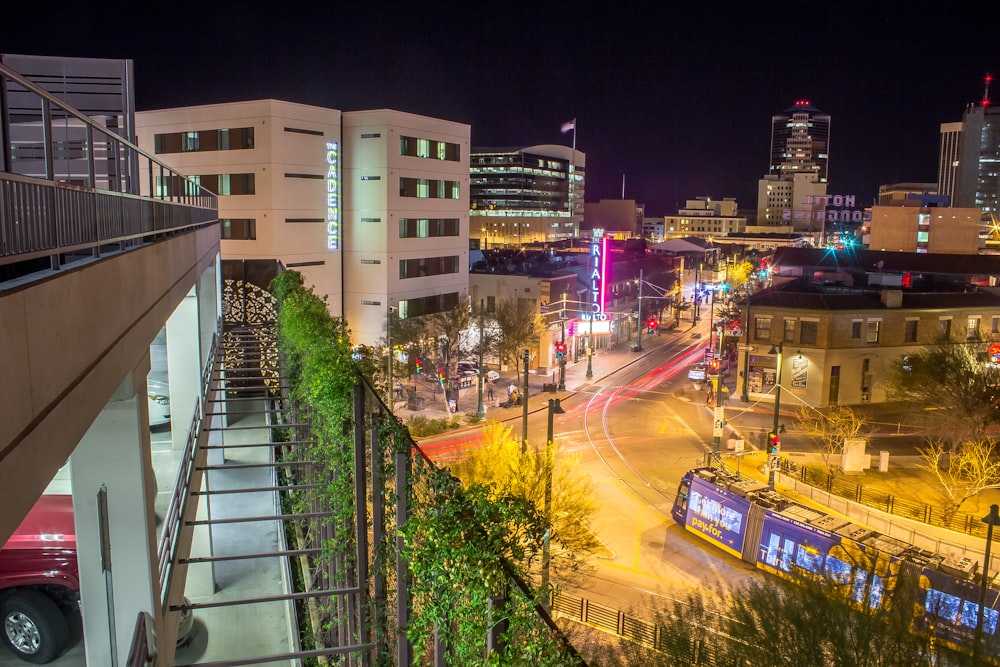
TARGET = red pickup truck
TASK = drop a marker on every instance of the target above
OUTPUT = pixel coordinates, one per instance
(40, 581)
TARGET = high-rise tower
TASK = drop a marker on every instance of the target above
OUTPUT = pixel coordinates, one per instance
(797, 173)
(977, 182)
(800, 141)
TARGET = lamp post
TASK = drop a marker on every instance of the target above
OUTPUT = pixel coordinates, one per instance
(719, 422)
(555, 408)
(479, 410)
(524, 404)
(991, 519)
(562, 359)
(638, 345)
(746, 353)
(590, 349)
(774, 445)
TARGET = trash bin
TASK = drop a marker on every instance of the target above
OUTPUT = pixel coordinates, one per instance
(635, 347)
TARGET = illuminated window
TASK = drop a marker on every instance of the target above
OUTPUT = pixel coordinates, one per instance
(972, 328)
(789, 331)
(873, 331)
(762, 328)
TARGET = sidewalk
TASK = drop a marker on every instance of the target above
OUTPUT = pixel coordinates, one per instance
(603, 363)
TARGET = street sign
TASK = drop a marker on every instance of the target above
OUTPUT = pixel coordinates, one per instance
(720, 421)
(744, 348)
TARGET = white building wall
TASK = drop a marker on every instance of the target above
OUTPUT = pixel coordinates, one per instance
(373, 209)
(290, 211)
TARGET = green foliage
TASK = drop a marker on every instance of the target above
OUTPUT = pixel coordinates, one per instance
(454, 540)
(422, 427)
(520, 324)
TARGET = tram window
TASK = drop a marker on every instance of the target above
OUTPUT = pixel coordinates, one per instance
(809, 560)
(858, 587)
(786, 555)
(875, 595)
(941, 604)
(838, 570)
(970, 613)
(771, 556)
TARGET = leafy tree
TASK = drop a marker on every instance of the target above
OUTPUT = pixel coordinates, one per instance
(520, 324)
(960, 390)
(449, 327)
(829, 428)
(739, 274)
(962, 470)
(499, 465)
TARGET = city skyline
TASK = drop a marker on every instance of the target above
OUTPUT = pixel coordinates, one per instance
(674, 101)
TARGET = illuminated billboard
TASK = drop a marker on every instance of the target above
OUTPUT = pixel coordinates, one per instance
(721, 519)
(332, 195)
(598, 267)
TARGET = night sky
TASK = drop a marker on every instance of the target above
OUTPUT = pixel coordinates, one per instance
(676, 98)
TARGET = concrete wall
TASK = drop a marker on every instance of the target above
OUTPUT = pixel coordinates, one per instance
(67, 342)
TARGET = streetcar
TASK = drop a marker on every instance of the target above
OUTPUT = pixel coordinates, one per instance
(751, 521)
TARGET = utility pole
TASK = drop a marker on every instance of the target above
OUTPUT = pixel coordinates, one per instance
(389, 389)
(480, 411)
(639, 320)
(524, 404)
(562, 340)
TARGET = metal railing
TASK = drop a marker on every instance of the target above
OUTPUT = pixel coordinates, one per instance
(961, 522)
(70, 186)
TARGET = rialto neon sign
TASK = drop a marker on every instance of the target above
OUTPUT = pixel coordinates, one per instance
(332, 195)
(598, 267)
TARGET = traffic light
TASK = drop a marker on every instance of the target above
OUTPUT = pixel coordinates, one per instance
(420, 366)
(441, 375)
(772, 443)
(652, 324)
(560, 350)
(714, 367)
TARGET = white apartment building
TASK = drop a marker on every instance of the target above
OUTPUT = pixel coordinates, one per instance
(706, 218)
(370, 206)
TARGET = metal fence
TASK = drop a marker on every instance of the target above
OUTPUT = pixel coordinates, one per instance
(961, 522)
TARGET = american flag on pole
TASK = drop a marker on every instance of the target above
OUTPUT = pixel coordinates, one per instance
(569, 125)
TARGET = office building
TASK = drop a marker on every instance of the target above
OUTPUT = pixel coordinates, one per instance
(977, 181)
(371, 206)
(525, 195)
(706, 218)
(798, 169)
(951, 141)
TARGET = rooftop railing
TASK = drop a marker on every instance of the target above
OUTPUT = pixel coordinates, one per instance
(73, 188)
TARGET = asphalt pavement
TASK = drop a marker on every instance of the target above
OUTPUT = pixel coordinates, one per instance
(893, 429)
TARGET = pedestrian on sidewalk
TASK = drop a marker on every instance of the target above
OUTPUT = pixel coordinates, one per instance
(489, 390)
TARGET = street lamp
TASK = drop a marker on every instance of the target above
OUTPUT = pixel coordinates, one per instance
(590, 349)
(555, 408)
(746, 353)
(774, 446)
(524, 404)
(991, 519)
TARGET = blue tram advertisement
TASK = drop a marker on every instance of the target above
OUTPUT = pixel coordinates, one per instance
(748, 520)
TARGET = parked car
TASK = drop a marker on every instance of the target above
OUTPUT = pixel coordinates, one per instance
(40, 583)
(698, 373)
(158, 394)
(468, 368)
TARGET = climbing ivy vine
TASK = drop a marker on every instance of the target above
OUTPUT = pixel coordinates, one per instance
(458, 542)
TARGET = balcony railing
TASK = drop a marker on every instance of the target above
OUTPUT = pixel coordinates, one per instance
(73, 188)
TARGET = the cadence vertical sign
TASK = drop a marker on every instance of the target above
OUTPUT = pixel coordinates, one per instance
(332, 195)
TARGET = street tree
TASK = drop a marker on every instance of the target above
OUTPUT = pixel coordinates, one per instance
(449, 327)
(956, 385)
(519, 323)
(499, 465)
(829, 428)
(962, 470)
(738, 275)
